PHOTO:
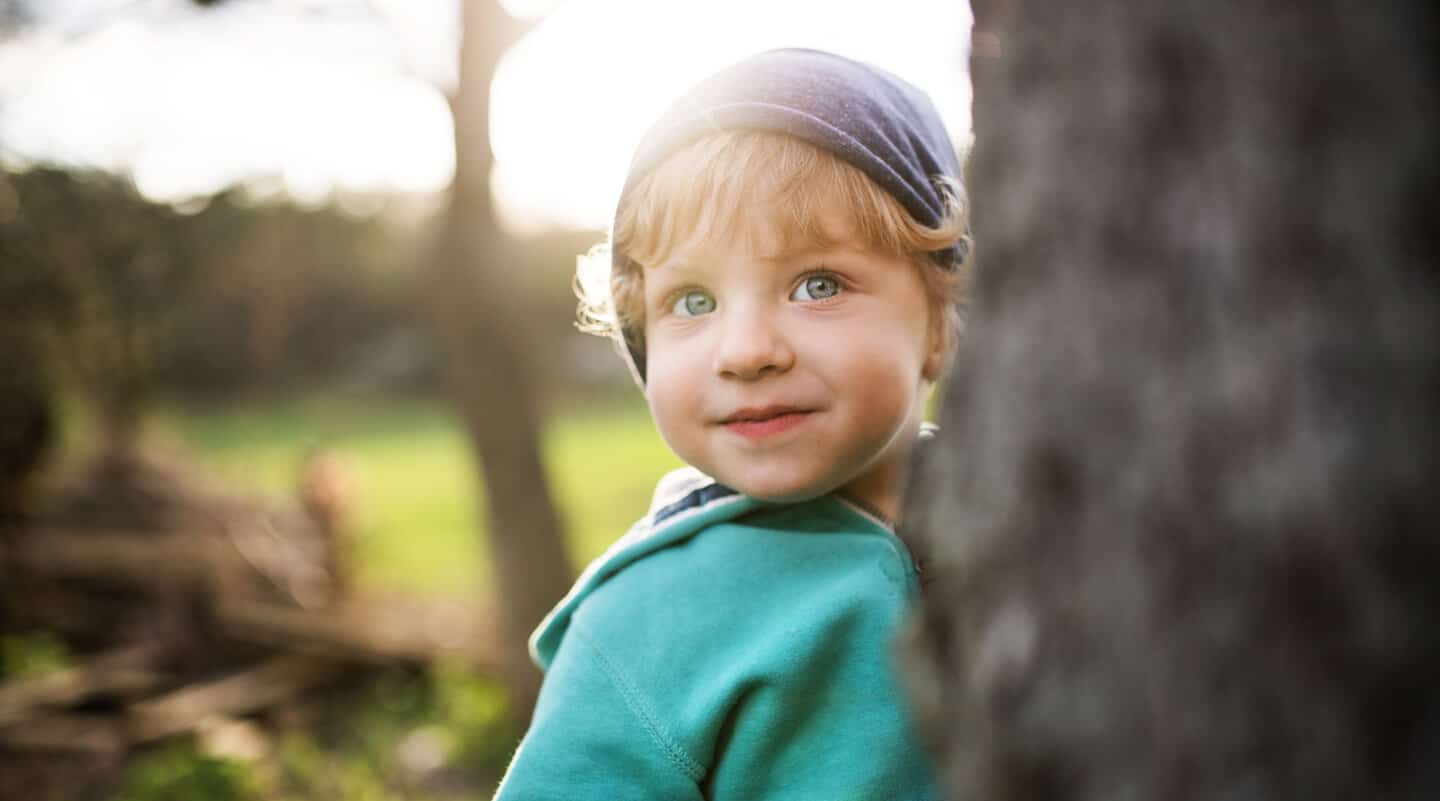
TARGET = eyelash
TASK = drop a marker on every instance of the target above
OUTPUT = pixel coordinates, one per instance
(841, 284)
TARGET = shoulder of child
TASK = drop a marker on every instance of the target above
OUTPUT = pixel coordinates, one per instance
(763, 639)
(715, 552)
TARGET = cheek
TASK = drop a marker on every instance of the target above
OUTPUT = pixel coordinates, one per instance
(671, 396)
(887, 394)
(885, 349)
(883, 370)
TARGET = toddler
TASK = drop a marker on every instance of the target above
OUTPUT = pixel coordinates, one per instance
(784, 278)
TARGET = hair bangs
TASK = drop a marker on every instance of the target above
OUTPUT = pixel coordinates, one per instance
(706, 193)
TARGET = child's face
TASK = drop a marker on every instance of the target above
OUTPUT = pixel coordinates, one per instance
(788, 371)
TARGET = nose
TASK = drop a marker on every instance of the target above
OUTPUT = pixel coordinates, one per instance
(752, 345)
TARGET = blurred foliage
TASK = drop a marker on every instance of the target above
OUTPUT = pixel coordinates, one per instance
(32, 654)
(306, 296)
(119, 300)
(440, 733)
(477, 712)
(179, 772)
(94, 277)
(402, 734)
(14, 15)
(133, 293)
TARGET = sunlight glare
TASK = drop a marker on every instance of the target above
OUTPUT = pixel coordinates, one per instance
(206, 101)
(248, 92)
(572, 98)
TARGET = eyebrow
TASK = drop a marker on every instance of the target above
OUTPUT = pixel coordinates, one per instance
(665, 278)
(794, 248)
(675, 268)
(814, 247)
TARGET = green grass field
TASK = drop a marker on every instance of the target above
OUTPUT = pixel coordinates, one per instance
(419, 507)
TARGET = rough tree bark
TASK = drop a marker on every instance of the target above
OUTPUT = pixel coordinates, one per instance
(1181, 525)
(487, 366)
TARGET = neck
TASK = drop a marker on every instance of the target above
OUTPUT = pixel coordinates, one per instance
(878, 492)
(889, 520)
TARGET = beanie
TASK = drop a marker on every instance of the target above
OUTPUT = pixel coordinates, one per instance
(860, 114)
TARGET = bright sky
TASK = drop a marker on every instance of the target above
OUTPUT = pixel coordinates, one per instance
(329, 99)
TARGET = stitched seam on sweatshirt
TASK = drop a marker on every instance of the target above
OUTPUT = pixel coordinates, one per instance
(898, 547)
(673, 751)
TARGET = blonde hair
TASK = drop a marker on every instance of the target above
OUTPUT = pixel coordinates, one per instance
(700, 192)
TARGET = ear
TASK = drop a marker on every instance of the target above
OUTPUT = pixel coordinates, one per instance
(940, 343)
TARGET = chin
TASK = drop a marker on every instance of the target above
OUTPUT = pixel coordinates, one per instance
(781, 491)
(781, 497)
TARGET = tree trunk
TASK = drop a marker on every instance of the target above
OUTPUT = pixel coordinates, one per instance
(28, 437)
(487, 366)
(1180, 526)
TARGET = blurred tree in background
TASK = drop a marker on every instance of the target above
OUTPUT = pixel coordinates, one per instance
(490, 364)
(95, 280)
(123, 299)
(13, 15)
(306, 298)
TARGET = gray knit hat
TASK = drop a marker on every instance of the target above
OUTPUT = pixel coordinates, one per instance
(862, 115)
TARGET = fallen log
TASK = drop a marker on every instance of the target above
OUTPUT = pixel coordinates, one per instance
(117, 557)
(99, 735)
(371, 633)
(273, 681)
(124, 672)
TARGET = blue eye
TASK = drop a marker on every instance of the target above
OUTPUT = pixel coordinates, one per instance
(694, 303)
(816, 287)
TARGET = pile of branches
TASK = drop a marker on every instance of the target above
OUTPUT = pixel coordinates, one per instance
(187, 613)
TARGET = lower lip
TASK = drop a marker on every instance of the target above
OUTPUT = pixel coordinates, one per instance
(759, 429)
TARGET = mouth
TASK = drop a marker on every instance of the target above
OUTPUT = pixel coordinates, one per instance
(764, 421)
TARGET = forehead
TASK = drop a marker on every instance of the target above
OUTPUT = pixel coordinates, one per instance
(772, 228)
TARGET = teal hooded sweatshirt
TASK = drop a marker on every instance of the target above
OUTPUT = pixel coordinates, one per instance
(727, 648)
